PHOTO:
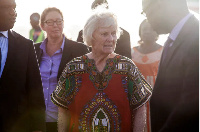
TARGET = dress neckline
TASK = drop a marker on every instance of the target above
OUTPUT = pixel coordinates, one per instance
(158, 50)
(100, 79)
(106, 65)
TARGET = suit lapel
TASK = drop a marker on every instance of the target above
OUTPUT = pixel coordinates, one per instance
(39, 55)
(65, 56)
(171, 51)
(177, 42)
(38, 52)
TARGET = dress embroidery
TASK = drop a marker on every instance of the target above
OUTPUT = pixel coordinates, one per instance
(101, 101)
(100, 79)
(98, 114)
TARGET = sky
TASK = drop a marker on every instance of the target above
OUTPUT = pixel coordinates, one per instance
(76, 12)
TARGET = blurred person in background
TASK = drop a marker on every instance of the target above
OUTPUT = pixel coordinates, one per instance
(123, 46)
(36, 34)
(53, 54)
(146, 57)
(101, 91)
(174, 104)
(22, 107)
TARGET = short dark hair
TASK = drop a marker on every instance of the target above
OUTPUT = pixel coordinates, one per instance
(140, 28)
(35, 17)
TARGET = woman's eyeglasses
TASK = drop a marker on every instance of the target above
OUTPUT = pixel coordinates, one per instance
(51, 22)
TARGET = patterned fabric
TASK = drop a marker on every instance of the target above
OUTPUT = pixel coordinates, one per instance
(147, 63)
(101, 101)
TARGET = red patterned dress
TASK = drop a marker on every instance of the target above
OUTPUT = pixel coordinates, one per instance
(101, 101)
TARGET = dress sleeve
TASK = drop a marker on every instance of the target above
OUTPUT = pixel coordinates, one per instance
(58, 96)
(138, 88)
(67, 87)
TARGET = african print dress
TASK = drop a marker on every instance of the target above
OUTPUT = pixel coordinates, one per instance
(101, 101)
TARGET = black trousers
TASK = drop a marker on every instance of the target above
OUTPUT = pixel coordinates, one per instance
(51, 127)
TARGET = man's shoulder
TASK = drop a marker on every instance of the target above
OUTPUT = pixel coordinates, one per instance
(74, 43)
(124, 31)
(19, 37)
(37, 45)
(190, 31)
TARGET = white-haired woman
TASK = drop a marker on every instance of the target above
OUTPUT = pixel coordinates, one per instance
(101, 91)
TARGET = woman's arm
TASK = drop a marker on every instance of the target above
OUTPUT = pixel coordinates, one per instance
(139, 119)
(63, 119)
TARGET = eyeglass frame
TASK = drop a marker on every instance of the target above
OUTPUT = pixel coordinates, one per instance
(61, 20)
(147, 7)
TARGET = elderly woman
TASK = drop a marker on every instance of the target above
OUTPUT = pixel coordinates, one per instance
(101, 91)
(53, 54)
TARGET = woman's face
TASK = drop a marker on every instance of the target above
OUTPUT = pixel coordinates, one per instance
(104, 40)
(53, 24)
(147, 33)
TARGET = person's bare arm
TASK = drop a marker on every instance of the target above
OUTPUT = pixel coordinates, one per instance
(63, 119)
(139, 119)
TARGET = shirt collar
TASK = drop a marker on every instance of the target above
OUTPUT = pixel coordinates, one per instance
(43, 45)
(174, 33)
(5, 33)
(63, 43)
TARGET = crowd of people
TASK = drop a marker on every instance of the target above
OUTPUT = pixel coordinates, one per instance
(49, 83)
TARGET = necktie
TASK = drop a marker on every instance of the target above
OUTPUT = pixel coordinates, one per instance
(166, 47)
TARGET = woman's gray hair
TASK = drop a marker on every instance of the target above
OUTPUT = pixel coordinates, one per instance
(101, 17)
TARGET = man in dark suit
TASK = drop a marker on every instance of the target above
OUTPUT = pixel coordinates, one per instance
(123, 46)
(175, 99)
(22, 107)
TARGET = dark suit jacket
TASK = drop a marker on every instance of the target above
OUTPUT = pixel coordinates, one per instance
(71, 50)
(175, 99)
(123, 46)
(22, 107)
